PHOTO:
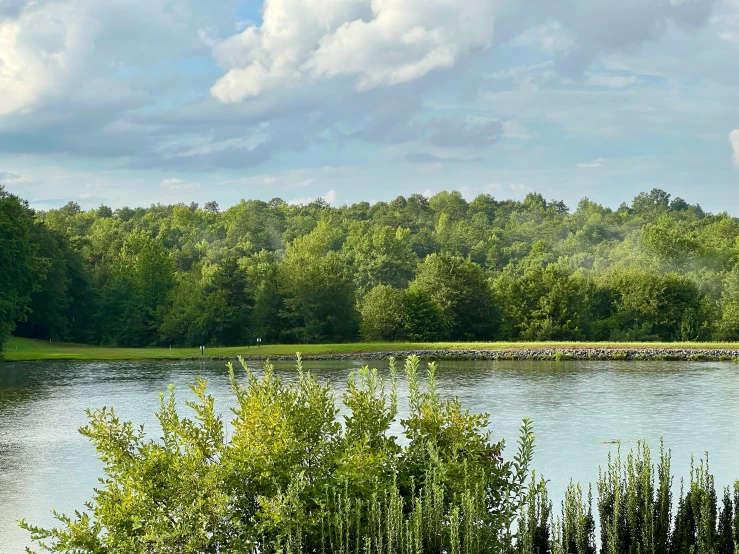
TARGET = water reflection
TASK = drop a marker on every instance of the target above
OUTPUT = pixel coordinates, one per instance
(577, 408)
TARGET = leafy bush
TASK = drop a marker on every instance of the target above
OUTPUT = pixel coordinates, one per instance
(291, 478)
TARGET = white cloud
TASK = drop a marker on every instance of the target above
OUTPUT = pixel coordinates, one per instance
(39, 49)
(598, 162)
(175, 184)
(331, 197)
(372, 42)
(62, 49)
(734, 138)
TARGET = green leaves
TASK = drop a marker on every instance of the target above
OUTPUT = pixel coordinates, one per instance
(412, 269)
(290, 477)
(20, 268)
(460, 289)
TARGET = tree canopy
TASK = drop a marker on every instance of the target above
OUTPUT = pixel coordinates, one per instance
(415, 268)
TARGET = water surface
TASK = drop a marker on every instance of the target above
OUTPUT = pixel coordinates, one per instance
(578, 408)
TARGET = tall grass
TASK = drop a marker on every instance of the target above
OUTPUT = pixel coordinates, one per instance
(634, 504)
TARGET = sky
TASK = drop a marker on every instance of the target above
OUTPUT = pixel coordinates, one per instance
(134, 102)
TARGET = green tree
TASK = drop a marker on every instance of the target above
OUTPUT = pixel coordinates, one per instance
(424, 319)
(669, 241)
(460, 288)
(379, 255)
(318, 296)
(227, 305)
(138, 285)
(20, 269)
(50, 302)
(382, 314)
(269, 303)
(728, 325)
(541, 304)
(655, 306)
(189, 275)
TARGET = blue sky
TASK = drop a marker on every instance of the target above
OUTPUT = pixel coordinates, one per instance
(133, 102)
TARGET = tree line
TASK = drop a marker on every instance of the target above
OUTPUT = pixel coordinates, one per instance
(416, 268)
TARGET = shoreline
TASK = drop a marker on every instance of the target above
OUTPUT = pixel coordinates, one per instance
(462, 354)
(525, 354)
(21, 349)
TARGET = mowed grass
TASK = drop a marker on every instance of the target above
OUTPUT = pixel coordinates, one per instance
(19, 349)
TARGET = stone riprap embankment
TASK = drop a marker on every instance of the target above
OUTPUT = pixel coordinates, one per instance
(686, 354)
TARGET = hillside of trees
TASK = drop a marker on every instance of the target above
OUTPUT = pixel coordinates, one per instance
(415, 268)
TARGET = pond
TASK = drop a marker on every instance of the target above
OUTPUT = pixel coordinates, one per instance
(578, 410)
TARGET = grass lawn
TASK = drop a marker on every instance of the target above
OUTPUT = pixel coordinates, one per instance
(28, 349)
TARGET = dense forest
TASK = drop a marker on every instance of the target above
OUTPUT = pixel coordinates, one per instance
(415, 268)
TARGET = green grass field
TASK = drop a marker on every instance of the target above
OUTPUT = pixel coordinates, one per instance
(28, 349)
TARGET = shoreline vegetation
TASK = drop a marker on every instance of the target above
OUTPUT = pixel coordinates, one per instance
(20, 349)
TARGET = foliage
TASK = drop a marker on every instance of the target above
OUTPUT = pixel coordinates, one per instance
(382, 314)
(460, 289)
(634, 500)
(423, 317)
(181, 275)
(654, 306)
(20, 269)
(291, 478)
(544, 303)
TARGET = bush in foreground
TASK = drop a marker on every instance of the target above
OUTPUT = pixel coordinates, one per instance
(291, 478)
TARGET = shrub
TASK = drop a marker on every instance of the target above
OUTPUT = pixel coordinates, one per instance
(291, 478)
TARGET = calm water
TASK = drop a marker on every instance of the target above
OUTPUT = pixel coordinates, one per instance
(577, 407)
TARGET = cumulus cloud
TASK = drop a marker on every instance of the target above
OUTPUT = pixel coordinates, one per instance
(734, 139)
(39, 48)
(577, 33)
(370, 42)
(129, 84)
(385, 42)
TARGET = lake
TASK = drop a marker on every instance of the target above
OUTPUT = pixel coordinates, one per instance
(578, 408)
